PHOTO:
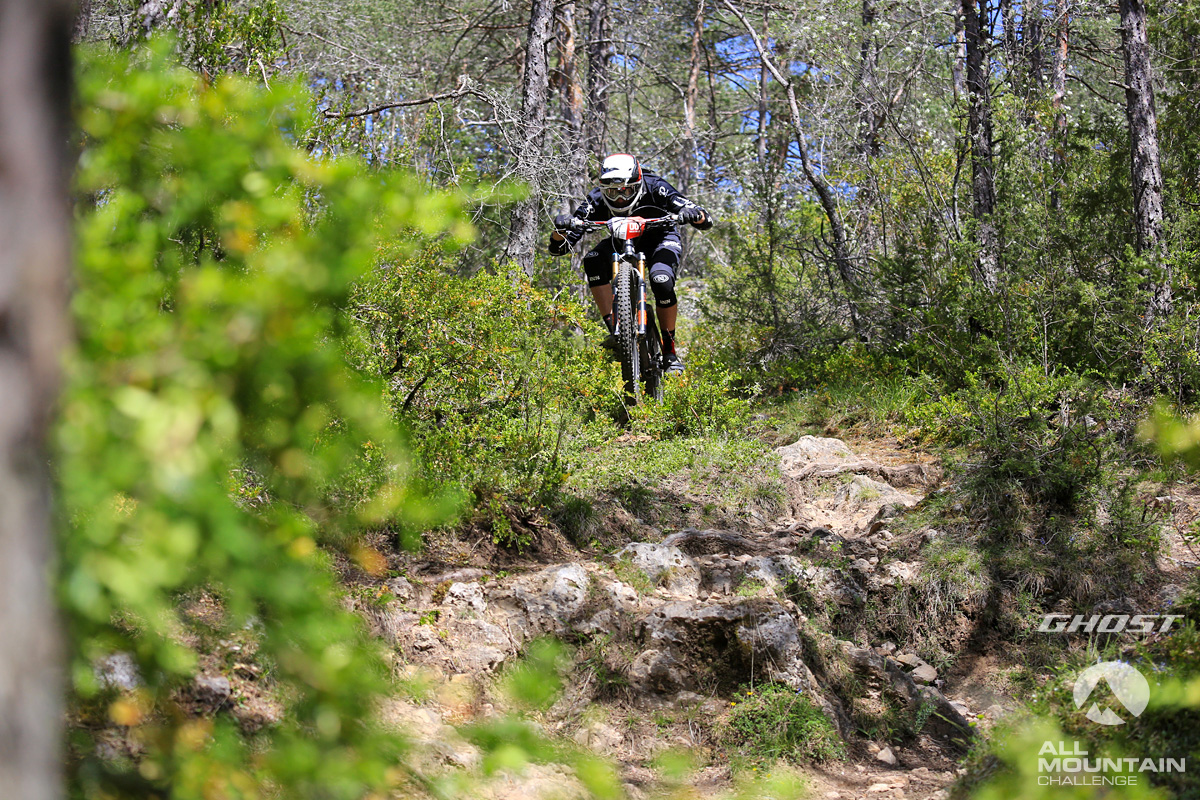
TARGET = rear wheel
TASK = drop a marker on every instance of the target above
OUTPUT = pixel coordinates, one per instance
(627, 338)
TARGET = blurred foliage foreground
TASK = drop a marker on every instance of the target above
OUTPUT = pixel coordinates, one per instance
(258, 330)
(208, 426)
(213, 257)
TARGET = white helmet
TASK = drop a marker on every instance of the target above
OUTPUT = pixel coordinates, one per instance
(621, 182)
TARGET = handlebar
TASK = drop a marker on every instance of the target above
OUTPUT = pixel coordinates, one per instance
(622, 223)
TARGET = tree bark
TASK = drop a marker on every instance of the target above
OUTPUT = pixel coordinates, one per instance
(599, 53)
(1012, 51)
(687, 165)
(570, 94)
(979, 140)
(866, 93)
(1058, 83)
(958, 61)
(35, 81)
(535, 88)
(760, 142)
(1145, 167)
(871, 115)
(1031, 44)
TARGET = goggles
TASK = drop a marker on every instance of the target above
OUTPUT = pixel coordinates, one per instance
(619, 194)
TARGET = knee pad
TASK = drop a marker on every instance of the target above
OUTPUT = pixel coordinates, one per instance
(662, 283)
(597, 267)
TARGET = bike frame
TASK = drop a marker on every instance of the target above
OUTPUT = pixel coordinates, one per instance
(625, 230)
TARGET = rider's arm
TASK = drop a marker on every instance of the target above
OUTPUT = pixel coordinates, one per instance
(559, 246)
(561, 241)
(670, 197)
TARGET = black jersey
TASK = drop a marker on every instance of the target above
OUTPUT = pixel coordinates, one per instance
(658, 198)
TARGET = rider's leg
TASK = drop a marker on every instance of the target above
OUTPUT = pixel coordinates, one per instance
(667, 317)
(664, 261)
(597, 265)
(603, 295)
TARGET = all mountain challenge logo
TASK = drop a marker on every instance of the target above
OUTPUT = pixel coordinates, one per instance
(1127, 684)
(1065, 764)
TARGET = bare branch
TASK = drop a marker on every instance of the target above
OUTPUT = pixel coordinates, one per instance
(463, 90)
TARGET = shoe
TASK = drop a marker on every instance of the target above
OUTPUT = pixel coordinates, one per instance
(610, 342)
(671, 365)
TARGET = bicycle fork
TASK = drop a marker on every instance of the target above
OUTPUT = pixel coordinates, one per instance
(641, 315)
(641, 298)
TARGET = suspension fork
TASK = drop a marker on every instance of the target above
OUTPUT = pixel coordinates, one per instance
(641, 295)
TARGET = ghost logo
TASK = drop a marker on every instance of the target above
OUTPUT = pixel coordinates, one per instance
(1127, 684)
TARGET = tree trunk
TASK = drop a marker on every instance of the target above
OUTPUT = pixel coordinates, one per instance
(687, 164)
(866, 100)
(871, 114)
(760, 142)
(1062, 31)
(979, 136)
(35, 78)
(1012, 52)
(959, 59)
(838, 243)
(599, 53)
(570, 94)
(1031, 45)
(1145, 168)
(535, 87)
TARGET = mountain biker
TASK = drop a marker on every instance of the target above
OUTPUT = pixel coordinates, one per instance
(627, 189)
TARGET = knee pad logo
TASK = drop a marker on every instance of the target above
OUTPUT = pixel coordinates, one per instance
(661, 277)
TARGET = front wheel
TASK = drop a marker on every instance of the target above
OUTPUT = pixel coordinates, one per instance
(625, 305)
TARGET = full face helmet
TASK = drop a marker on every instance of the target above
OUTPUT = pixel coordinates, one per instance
(621, 182)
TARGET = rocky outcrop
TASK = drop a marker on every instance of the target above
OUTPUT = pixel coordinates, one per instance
(713, 610)
(832, 487)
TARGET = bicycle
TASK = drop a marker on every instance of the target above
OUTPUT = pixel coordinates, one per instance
(639, 345)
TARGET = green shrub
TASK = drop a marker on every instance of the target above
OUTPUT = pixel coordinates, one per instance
(773, 721)
(702, 401)
(485, 372)
(1169, 727)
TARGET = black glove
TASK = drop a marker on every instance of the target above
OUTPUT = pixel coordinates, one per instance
(693, 215)
(564, 222)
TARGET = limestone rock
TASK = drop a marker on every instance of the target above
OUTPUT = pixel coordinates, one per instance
(213, 690)
(466, 597)
(547, 601)
(119, 671)
(599, 737)
(924, 674)
(401, 589)
(810, 449)
(622, 596)
(664, 564)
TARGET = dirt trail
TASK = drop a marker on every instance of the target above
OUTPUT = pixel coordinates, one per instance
(668, 628)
